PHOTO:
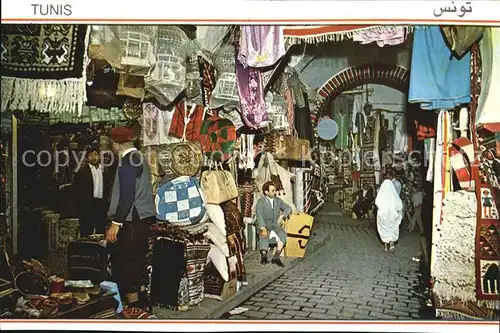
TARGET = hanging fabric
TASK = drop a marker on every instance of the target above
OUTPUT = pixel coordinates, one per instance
(400, 144)
(151, 124)
(261, 45)
(187, 121)
(438, 80)
(383, 35)
(251, 95)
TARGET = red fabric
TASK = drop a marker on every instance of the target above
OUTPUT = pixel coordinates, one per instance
(193, 127)
(122, 134)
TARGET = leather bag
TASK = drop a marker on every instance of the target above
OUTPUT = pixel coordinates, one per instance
(218, 185)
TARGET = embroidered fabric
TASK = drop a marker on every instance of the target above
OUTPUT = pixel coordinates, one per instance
(383, 35)
(261, 45)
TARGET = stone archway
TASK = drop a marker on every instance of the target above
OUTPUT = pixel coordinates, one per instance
(394, 76)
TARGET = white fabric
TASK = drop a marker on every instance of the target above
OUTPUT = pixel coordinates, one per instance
(431, 152)
(97, 180)
(400, 143)
(389, 212)
(271, 201)
(274, 235)
(358, 108)
(219, 261)
(397, 185)
(126, 151)
(489, 99)
(216, 215)
(215, 235)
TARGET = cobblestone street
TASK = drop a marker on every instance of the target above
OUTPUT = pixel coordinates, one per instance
(350, 277)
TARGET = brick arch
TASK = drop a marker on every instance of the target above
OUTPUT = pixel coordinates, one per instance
(394, 76)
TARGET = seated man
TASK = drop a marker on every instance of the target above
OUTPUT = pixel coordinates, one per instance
(364, 202)
(267, 213)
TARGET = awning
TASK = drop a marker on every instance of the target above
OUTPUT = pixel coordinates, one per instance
(325, 33)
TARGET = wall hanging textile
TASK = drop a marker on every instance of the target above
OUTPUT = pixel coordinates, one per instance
(218, 185)
(487, 240)
(251, 94)
(102, 92)
(328, 33)
(218, 138)
(187, 121)
(168, 77)
(384, 35)
(277, 109)
(180, 201)
(151, 124)
(438, 80)
(225, 95)
(487, 108)
(236, 248)
(461, 38)
(43, 67)
(232, 217)
(105, 45)
(303, 123)
(131, 86)
(261, 45)
(208, 74)
(137, 48)
(215, 286)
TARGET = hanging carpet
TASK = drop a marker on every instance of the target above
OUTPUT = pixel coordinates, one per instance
(43, 67)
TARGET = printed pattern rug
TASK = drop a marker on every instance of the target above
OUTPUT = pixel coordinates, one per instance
(487, 240)
(43, 67)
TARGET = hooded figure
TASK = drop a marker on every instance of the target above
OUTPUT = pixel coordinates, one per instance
(389, 214)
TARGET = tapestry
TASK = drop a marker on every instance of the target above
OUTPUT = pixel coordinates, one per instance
(196, 258)
(487, 240)
(43, 67)
(215, 286)
(236, 248)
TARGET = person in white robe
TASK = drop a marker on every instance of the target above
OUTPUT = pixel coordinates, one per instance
(389, 214)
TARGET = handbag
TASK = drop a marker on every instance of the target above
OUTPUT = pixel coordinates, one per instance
(218, 185)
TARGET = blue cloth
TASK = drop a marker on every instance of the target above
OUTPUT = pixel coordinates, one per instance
(112, 287)
(437, 80)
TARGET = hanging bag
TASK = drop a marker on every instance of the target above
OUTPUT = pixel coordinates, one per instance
(218, 185)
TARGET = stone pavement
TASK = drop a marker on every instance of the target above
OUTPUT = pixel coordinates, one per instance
(350, 277)
(258, 277)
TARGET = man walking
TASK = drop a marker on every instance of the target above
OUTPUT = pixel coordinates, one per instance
(267, 213)
(131, 209)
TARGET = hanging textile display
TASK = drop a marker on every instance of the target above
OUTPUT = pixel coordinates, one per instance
(461, 38)
(278, 111)
(400, 143)
(208, 74)
(44, 67)
(334, 33)
(218, 138)
(487, 108)
(137, 51)
(168, 77)
(151, 125)
(340, 106)
(438, 79)
(383, 35)
(187, 121)
(251, 95)
(261, 45)
(461, 153)
(225, 95)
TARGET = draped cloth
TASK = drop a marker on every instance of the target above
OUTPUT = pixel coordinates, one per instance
(389, 212)
(261, 45)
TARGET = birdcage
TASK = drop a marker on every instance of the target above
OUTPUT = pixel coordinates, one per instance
(168, 78)
(225, 93)
(137, 45)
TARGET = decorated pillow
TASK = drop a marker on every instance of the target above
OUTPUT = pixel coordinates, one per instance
(216, 236)
(220, 261)
(216, 215)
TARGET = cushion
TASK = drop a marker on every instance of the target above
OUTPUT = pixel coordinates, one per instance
(216, 236)
(216, 215)
(219, 260)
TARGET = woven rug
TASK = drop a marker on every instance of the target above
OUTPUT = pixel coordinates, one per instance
(487, 241)
(43, 67)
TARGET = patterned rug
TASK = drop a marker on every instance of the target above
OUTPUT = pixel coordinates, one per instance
(487, 241)
(43, 67)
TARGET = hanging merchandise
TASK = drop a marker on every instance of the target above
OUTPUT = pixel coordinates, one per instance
(151, 122)
(289, 147)
(461, 153)
(461, 38)
(261, 45)
(400, 144)
(168, 77)
(327, 128)
(101, 92)
(187, 121)
(340, 106)
(185, 158)
(180, 201)
(246, 153)
(225, 94)
(131, 86)
(137, 48)
(218, 185)
(438, 79)
(489, 100)
(133, 109)
(218, 138)
(208, 73)
(278, 111)
(383, 35)
(105, 45)
(251, 95)
(55, 78)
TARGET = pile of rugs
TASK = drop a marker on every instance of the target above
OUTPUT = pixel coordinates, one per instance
(454, 269)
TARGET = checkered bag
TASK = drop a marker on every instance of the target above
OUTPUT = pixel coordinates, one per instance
(180, 201)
